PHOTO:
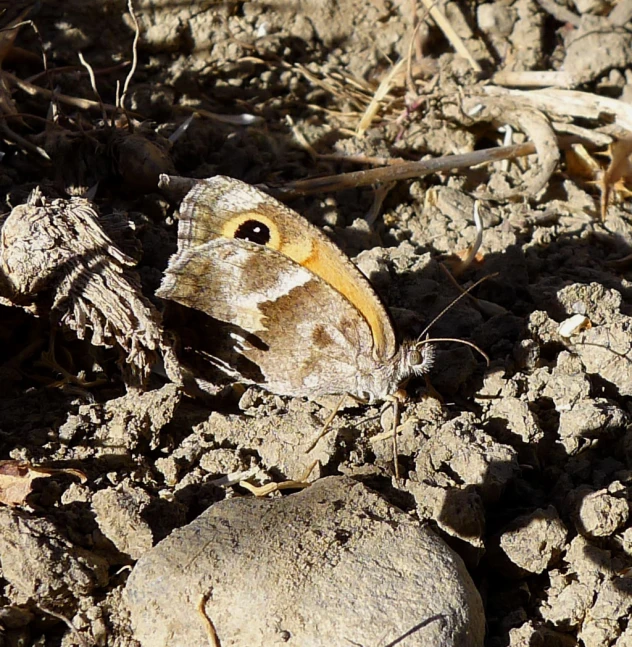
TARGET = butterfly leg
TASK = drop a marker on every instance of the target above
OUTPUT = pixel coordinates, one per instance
(328, 422)
(395, 400)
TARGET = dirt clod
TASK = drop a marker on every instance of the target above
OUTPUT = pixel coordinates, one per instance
(516, 452)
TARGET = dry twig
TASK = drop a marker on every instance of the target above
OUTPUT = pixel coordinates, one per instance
(130, 75)
(457, 42)
(404, 171)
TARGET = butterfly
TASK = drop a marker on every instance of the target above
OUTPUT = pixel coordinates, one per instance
(294, 314)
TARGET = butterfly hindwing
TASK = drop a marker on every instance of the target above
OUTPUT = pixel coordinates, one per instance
(308, 339)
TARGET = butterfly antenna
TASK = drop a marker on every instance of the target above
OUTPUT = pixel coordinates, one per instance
(422, 342)
(432, 340)
(454, 302)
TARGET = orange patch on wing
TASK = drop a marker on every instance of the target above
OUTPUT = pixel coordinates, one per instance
(300, 251)
(327, 267)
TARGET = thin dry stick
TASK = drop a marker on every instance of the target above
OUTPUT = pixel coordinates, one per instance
(76, 68)
(417, 22)
(19, 24)
(378, 199)
(507, 140)
(36, 90)
(82, 641)
(128, 79)
(300, 138)
(213, 639)
(409, 58)
(18, 139)
(444, 24)
(33, 26)
(534, 78)
(117, 98)
(269, 488)
(244, 119)
(93, 84)
(381, 92)
(473, 249)
(329, 420)
(404, 171)
(364, 160)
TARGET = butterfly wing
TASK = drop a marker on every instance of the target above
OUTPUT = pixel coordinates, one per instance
(302, 336)
(222, 207)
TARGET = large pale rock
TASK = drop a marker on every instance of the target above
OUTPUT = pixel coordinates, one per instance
(332, 565)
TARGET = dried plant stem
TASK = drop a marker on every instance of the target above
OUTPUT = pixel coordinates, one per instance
(404, 171)
(36, 90)
(410, 170)
(211, 633)
(11, 135)
(80, 639)
(534, 78)
(93, 83)
(381, 92)
(444, 25)
(77, 68)
(128, 79)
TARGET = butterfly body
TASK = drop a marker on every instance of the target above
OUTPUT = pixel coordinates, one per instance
(301, 319)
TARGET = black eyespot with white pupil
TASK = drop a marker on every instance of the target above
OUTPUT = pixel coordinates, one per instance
(254, 231)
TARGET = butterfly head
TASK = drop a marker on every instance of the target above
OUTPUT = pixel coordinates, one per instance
(379, 381)
(415, 358)
(419, 357)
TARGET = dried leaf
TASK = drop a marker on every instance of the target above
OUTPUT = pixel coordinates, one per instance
(618, 172)
(580, 164)
(16, 481)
